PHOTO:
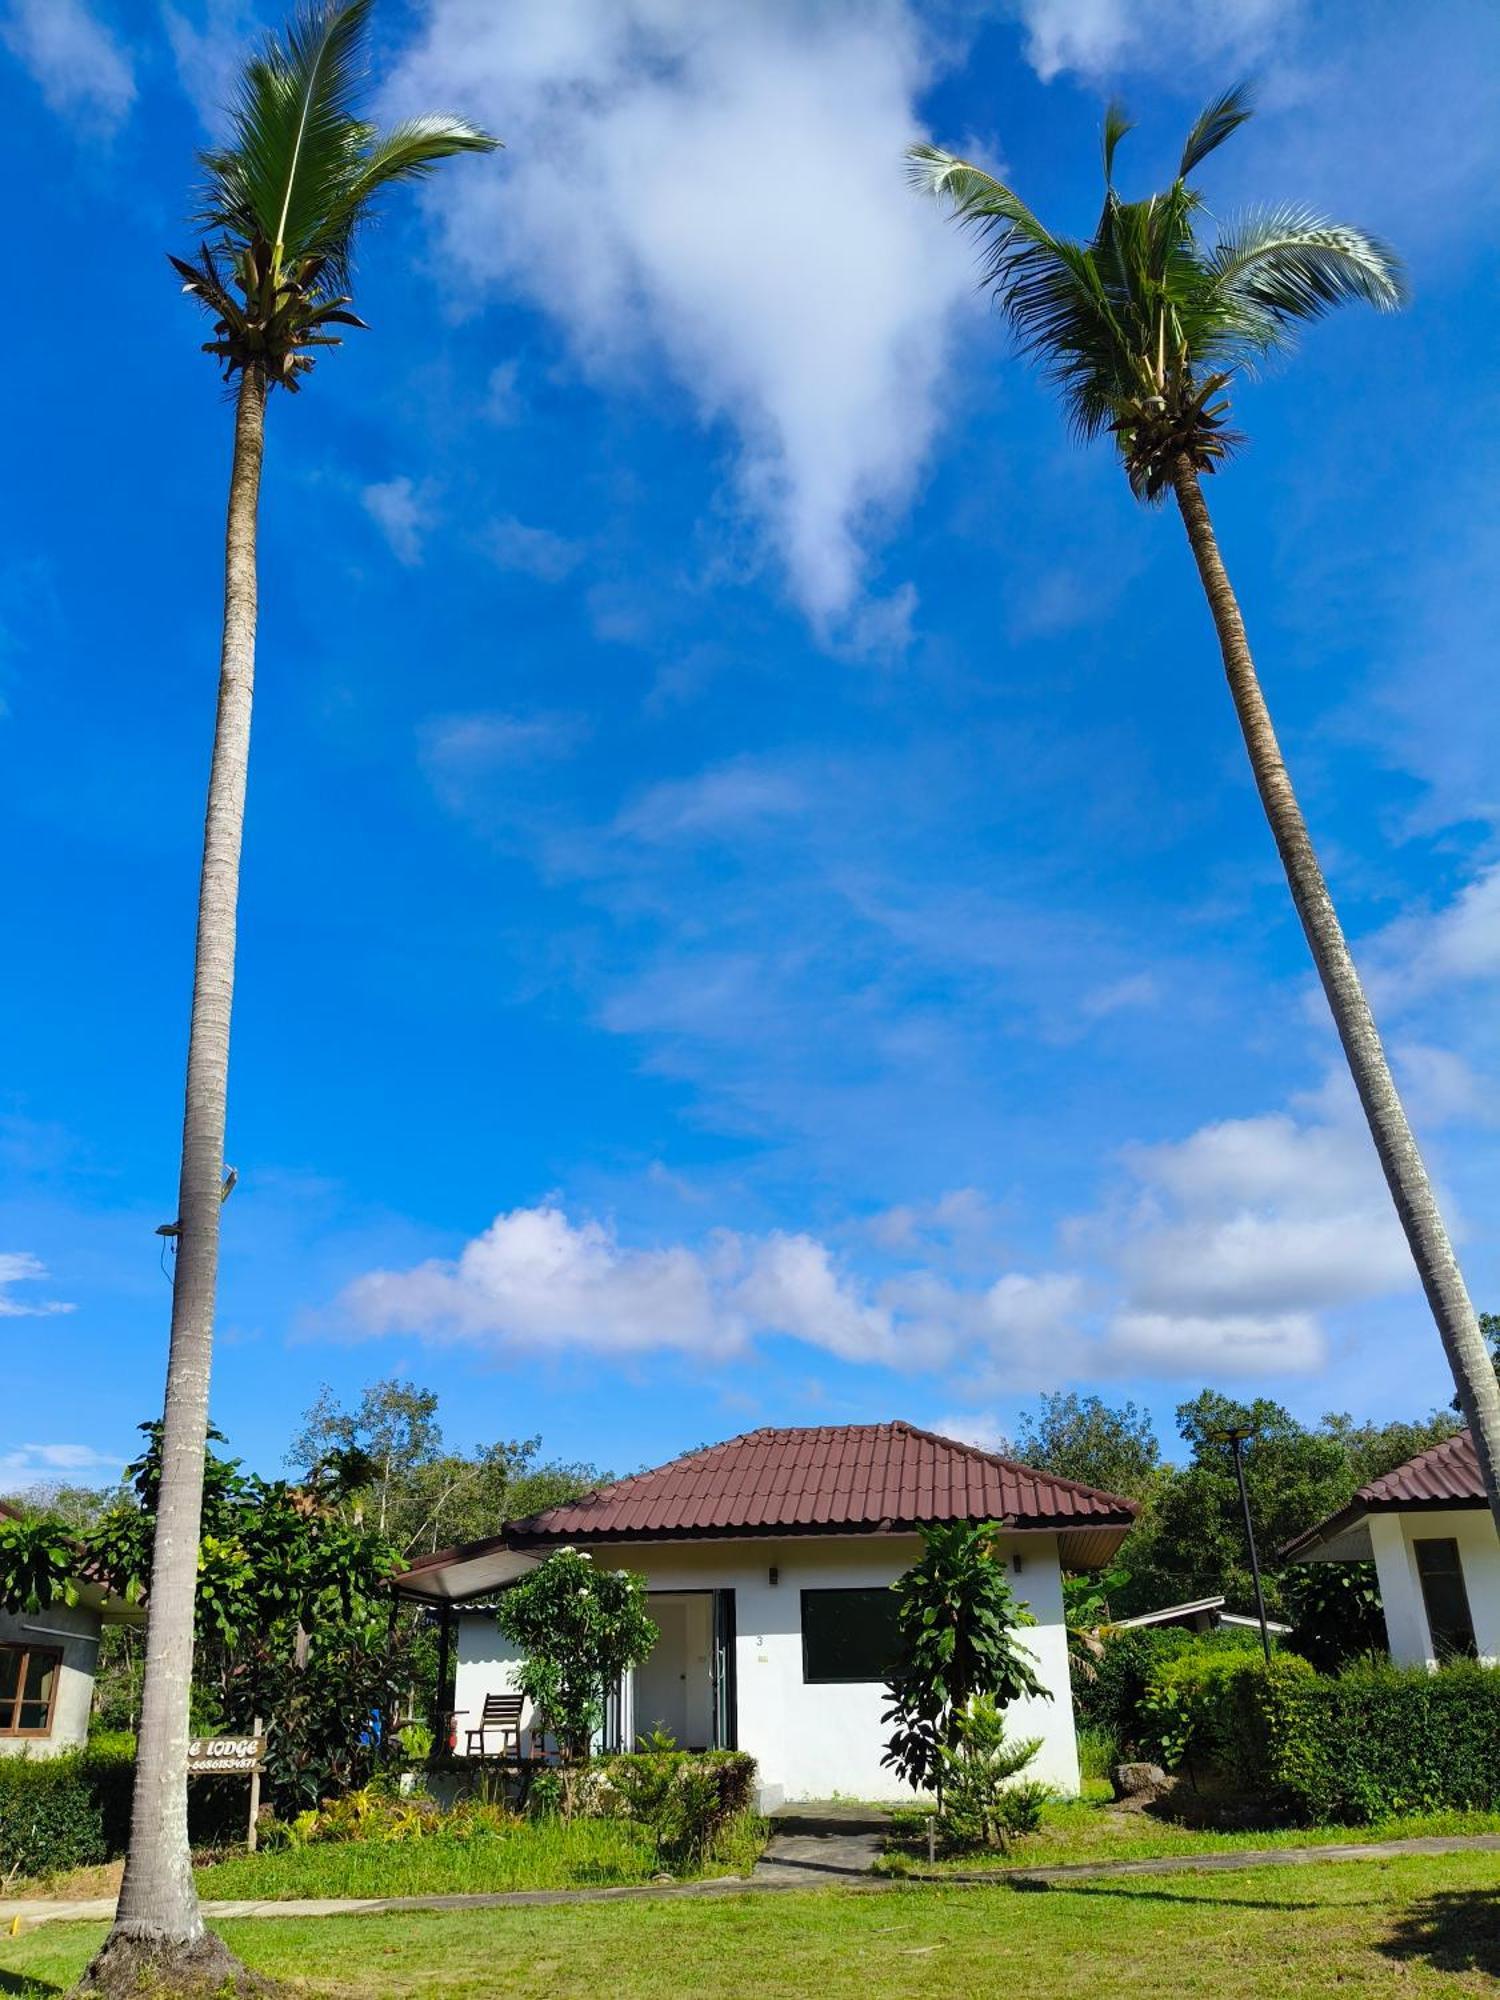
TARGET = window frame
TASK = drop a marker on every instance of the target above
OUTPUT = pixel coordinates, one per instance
(810, 1679)
(27, 1653)
(1418, 1544)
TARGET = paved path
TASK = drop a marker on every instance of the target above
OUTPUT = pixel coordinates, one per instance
(798, 1867)
(811, 1843)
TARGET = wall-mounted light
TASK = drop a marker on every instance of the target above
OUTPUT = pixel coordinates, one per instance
(774, 1574)
(1016, 1564)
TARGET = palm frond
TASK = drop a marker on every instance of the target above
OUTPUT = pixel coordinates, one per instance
(1143, 328)
(1116, 125)
(1296, 265)
(974, 195)
(408, 152)
(1216, 123)
(288, 193)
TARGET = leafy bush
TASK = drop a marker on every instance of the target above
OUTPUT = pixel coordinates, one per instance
(980, 1804)
(1381, 1739)
(385, 1819)
(1111, 1701)
(684, 1799)
(50, 1817)
(956, 1621)
(1336, 1613)
(1373, 1742)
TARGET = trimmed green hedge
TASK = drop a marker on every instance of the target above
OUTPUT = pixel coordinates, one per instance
(1373, 1741)
(73, 1810)
(61, 1812)
(1111, 1700)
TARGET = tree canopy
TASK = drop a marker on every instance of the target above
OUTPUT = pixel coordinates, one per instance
(1143, 326)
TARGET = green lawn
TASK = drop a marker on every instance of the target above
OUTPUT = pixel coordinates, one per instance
(1093, 1830)
(1413, 1927)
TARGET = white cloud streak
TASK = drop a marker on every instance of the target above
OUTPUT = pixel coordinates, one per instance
(19, 1267)
(403, 514)
(81, 69)
(717, 189)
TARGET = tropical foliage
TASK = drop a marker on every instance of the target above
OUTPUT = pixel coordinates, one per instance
(1143, 327)
(956, 1621)
(283, 202)
(579, 1627)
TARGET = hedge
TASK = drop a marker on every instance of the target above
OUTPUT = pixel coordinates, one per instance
(73, 1810)
(1373, 1741)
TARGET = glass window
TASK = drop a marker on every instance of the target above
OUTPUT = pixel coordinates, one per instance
(1446, 1599)
(28, 1688)
(848, 1635)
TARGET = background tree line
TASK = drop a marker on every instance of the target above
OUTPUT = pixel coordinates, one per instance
(292, 1618)
(1189, 1541)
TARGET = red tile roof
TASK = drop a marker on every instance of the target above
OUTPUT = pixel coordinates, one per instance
(845, 1476)
(1445, 1475)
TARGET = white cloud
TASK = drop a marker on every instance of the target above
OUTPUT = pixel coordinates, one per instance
(1097, 37)
(534, 552)
(209, 53)
(1238, 1344)
(1235, 1240)
(76, 62)
(534, 1281)
(1459, 943)
(28, 1465)
(19, 1267)
(718, 188)
(981, 1428)
(537, 1281)
(728, 798)
(402, 511)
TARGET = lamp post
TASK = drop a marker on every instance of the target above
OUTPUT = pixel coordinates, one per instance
(1234, 1435)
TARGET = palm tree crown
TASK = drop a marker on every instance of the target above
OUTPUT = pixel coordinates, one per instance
(1143, 327)
(286, 197)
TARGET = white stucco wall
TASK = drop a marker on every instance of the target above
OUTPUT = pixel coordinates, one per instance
(73, 1631)
(812, 1741)
(1391, 1538)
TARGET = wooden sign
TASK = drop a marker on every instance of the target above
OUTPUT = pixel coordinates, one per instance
(215, 1756)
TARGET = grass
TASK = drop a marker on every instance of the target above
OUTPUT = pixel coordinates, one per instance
(1410, 1928)
(1092, 1829)
(536, 1854)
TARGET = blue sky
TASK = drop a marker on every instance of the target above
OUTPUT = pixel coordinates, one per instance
(754, 911)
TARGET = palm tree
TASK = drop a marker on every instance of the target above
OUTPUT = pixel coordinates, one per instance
(281, 206)
(1142, 330)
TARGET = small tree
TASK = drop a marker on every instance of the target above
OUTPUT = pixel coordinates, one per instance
(956, 1619)
(579, 1628)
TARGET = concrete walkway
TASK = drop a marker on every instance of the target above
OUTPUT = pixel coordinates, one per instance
(796, 1866)
(810, 1843)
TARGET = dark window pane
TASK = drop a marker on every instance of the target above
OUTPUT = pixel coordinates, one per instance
(1445, 1597)
(848, 1635)
(10, 1678)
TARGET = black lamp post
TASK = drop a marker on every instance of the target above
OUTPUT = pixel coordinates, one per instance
(1234, 1435)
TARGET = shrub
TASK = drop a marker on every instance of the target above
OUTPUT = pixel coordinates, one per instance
(684, 1799)
(1373, 1741)
(1098, 1751)
(1111, 1701)
(382, 1818)
(50, 1817)
(980, 1805)
(1381, 1739)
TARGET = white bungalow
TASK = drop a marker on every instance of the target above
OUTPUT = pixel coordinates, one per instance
(1427, 1527)
(769, 1561)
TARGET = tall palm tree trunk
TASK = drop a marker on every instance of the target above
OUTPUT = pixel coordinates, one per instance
(1406, 1176)
(158, 1913)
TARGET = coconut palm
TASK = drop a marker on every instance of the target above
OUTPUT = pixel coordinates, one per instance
(281, 207)
(1143, 330)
